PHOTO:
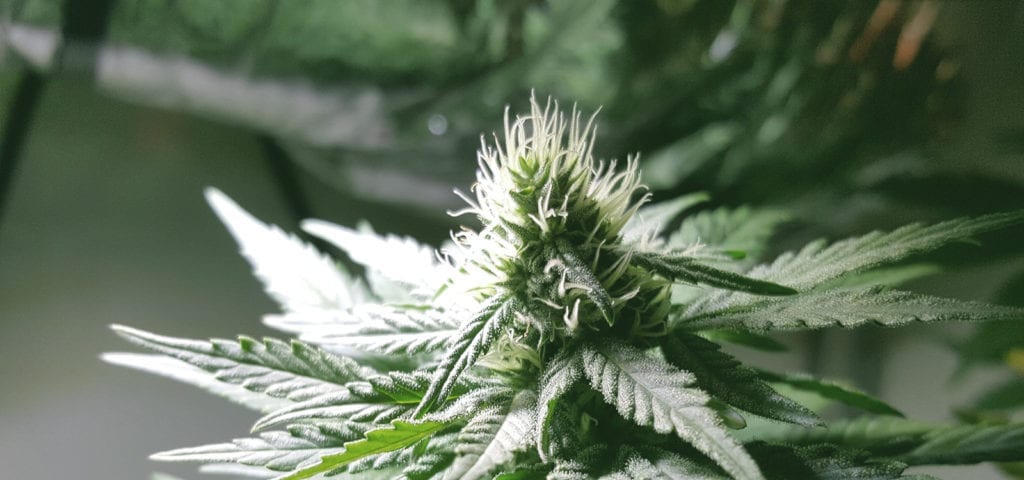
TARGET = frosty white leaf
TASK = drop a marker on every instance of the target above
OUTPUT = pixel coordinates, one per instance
(236, 470)
(183, 372)
(652, 393)
(492, 437)
(559, 375)
(278, 451)
(297, 276)
(376, 328)
(397, 259)
(471, 342)
(379, 399)
(842, 308)
(292, 372)
(659, 464)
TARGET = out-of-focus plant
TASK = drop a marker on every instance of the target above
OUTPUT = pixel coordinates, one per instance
(829, 97)
(567, 337)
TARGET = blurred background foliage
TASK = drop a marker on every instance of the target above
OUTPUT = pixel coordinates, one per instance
(848, 115)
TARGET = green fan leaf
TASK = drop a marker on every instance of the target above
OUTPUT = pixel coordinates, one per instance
(842, 308)
(293, 372)
(826, 462)
(399, 435)
(683, 268)
(731, 231)
(818, 262)
(723, 377)
(969, 444)
(869, 432)
(833, 391)
(493, 436)
(297, 276)
(652, 393)
(473, 340)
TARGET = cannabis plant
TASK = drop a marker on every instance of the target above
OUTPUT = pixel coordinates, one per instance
(565, 337)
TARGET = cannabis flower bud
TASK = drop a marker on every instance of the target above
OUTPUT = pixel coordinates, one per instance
(552, 220)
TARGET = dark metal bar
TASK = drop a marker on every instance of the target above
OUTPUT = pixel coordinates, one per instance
(19, 119)
(286, 177)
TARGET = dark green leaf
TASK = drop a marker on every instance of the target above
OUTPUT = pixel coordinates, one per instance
(832, 390)
(682, 268)
(722, 376)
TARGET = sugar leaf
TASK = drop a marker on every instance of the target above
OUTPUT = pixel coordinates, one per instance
(473, 340)
(493, 436)
(655, 394)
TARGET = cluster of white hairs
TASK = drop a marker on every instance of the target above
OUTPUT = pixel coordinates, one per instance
(541, 150)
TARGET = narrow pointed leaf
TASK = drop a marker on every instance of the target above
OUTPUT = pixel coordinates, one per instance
(399, 435)
(832, 390)
(875, 433)
(655, 394)
(682, 268)
(723, 377)
(297, 276)
(842, 308)
(969, 444)
(472, 341)
(826, 462)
